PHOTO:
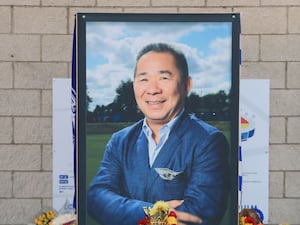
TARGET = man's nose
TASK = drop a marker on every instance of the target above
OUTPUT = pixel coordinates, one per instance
(153, 88)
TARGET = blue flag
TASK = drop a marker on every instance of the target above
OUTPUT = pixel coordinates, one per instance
(73, 99)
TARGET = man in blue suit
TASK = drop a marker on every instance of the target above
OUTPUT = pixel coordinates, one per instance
(169, 155)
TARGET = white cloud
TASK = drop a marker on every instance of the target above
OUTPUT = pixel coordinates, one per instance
(116, 46)
(210, 72)
(103, 82)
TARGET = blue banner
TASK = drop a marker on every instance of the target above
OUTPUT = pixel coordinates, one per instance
(73, 99)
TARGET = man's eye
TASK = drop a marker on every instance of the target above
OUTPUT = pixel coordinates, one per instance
(164, 78)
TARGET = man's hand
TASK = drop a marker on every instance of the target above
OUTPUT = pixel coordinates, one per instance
(183, 217)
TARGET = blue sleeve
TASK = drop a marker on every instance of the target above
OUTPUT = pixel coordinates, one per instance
(207, 191)
(105, 202)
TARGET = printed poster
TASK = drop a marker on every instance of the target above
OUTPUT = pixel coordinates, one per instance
(63, 155)
(254, 152)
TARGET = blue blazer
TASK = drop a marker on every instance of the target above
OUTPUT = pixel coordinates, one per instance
(192, 165)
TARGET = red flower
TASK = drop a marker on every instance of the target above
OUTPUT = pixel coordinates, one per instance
(250, 219)
(144, 221)
(70, 222)
(172, 213)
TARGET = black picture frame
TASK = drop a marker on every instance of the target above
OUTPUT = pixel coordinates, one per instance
(88, 23)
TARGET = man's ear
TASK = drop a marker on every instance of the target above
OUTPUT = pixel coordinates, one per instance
(188, 85)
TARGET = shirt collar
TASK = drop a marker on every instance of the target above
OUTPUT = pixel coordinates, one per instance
(165, 128)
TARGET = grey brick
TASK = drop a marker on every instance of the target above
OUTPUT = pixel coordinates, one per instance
(26, 182)
(38, 75)
(47, 204)
(69, 3)
(292, 184)
(165, 10)
(6, 75)
(228, 3)
(293, 78)
(284, 211)
(6, 184)
(276, 184)
(178, 3)
(47, 157)
(189, 9)
(277, 130)
(47, 103)
(20, 47)
(20, 2)
(280, 2)
(6, 131)
(284, 157)
(250, 47)
(274, 71)
(40, 20)
(33, 130)
(57, 48)
(5, 20)
(19, 102)
(19, 211)
(294, 15)
(126, 3)
(293, 131)
(283, 103)
(20, 157)
(264, 20)
(280, 47)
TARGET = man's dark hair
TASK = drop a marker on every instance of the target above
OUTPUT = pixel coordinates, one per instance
(180, 60)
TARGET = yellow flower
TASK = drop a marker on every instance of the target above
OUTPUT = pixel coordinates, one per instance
(45, 218)
(158, 207)
(171, 220)
(50, 214)
(242, 220)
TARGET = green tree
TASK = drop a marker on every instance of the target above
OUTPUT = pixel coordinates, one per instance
(125, 101)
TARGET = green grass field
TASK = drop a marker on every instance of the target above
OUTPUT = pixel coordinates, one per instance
(95, 149)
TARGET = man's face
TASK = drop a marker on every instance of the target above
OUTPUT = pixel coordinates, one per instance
(158, 87)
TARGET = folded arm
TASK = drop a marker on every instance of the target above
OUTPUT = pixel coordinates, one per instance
(207, 191)
(105, 202)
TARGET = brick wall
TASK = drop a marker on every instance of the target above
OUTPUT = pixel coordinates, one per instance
(35, 47)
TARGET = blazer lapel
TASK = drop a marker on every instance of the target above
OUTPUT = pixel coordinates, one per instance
(174, 140)
(137, 167)
(169, 149)
(141, 152)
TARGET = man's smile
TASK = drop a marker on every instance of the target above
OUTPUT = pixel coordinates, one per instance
(155, 102)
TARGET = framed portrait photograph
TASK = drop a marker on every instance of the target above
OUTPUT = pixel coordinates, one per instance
(157, 117)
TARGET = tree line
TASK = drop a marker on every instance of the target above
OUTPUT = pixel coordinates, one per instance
(214, 107)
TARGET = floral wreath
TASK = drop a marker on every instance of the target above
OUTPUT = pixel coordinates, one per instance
(159, 214)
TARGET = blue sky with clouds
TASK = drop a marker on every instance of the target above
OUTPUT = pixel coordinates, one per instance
(111, 48)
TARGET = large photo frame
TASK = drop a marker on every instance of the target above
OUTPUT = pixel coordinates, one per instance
(107, 47)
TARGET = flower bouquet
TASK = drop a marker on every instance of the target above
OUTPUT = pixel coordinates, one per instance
(250, 217)
(45, 218)
(159, 214)
(51, 218)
